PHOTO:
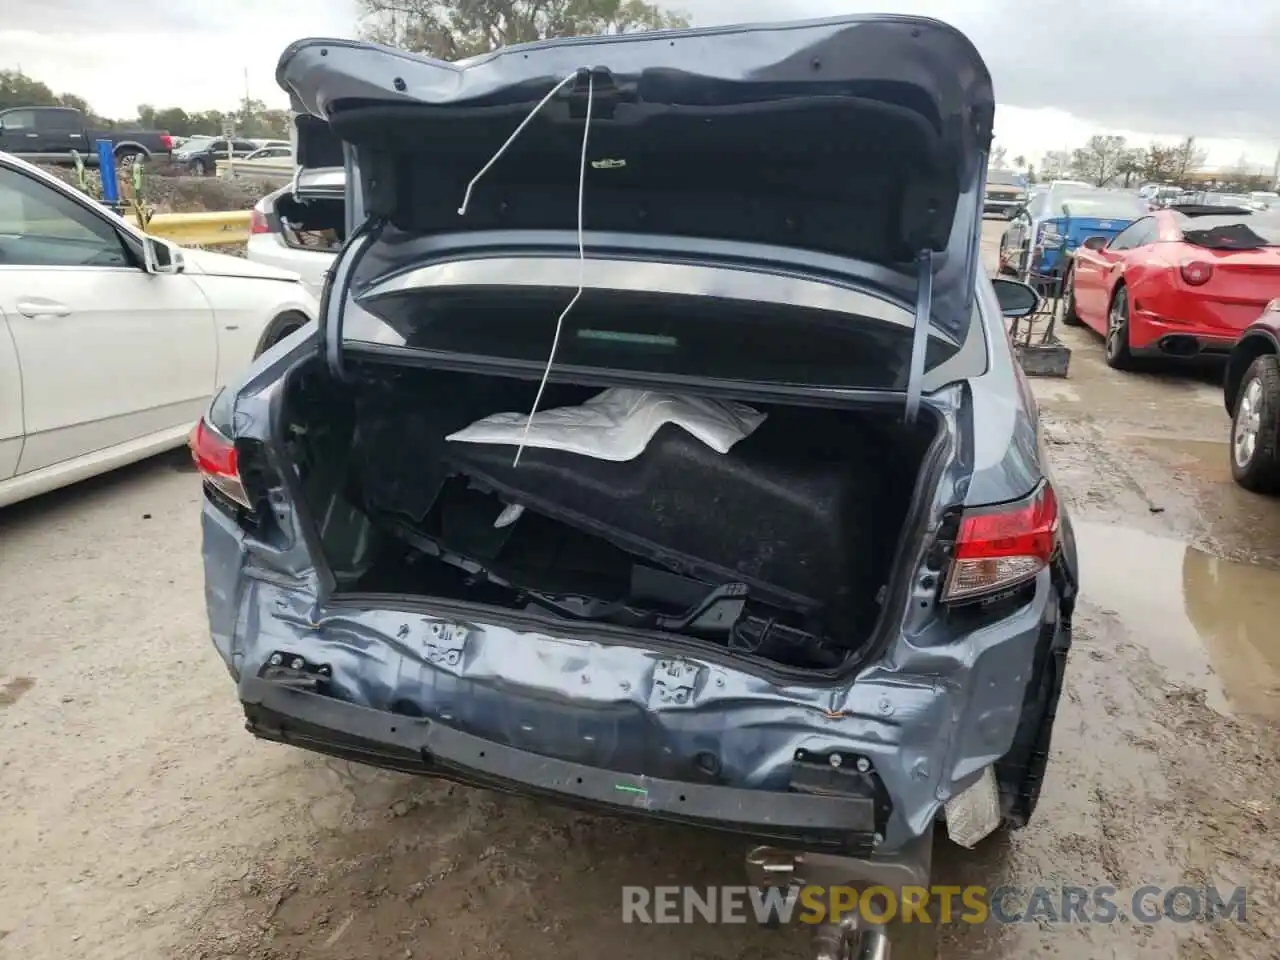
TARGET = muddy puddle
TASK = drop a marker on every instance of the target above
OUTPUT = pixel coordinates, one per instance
(1211, 623)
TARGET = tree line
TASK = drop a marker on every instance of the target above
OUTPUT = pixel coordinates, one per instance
(1110, 161)
(456, 29)
(252, 118)
(445, 29)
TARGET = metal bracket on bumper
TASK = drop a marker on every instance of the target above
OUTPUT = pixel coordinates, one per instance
(852, 937)
(844, 824)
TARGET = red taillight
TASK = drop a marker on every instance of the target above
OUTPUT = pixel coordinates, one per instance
(1197, 272)
(1002, 546)
(216, 458)
(166, 141)
(258, 222)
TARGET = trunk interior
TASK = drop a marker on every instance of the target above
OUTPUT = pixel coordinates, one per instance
(312, 223)
(781, 548)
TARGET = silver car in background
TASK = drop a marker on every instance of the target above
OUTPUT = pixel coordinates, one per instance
(301, 227)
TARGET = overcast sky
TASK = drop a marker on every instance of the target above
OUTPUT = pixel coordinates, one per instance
(1145, 68)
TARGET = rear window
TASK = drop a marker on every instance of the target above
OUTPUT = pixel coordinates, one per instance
(649, 333)
(1233, 233)
(1102, 206)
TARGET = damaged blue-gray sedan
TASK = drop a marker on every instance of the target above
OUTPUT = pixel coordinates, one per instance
(660, 447)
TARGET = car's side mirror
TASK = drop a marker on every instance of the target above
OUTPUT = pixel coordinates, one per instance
(1017, 299)
(1096, 243)
(161, 256)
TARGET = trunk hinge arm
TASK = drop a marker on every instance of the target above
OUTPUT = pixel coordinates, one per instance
(920, 332)
(333, 304)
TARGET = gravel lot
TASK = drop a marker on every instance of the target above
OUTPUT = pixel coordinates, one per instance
(139, 820)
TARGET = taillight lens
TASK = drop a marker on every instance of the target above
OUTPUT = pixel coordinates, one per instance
(258, 222)
(166, 141)
(217, 461)
(1002, 546)
(1197, 272)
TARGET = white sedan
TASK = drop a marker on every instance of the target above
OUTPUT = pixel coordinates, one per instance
(300, 227)
(113, 342)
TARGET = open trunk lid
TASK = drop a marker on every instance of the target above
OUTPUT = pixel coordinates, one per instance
(838, 143)
(1242, 254)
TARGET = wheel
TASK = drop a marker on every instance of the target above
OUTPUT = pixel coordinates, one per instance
(1255, 428)
(1002, 265)
(127, 158)
(278, 329)
(1118, 355)
(199, 167)
(1070, 317)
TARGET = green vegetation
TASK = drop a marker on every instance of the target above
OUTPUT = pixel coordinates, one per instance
(455, 29)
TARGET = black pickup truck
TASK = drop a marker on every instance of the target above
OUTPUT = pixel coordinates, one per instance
(50, 134)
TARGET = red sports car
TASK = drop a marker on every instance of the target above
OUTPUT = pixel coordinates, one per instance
(1180, 282)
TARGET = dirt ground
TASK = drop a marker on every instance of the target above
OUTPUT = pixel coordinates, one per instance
(170, 191)
(138, 820)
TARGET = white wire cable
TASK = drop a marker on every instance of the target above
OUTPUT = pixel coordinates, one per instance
(582, 270)
(466, 197)
(582, 254)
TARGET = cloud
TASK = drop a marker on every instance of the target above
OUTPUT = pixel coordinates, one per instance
(1150, 68)
(1202, 67)
(188, 54)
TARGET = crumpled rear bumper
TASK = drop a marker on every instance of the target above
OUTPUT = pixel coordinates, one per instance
(844, 824)
(775, 758)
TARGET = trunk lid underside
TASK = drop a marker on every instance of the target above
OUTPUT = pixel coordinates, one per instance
(862, 138)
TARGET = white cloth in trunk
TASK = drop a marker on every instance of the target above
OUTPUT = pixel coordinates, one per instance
(618, 424)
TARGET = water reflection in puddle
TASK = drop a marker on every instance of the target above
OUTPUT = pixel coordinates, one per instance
(1208, 622)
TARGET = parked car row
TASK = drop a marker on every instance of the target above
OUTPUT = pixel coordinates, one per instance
(200, 155)
(112, 341)
(1181, 282)
(1043, 233)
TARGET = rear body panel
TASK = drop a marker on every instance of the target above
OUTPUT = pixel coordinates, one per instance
(663, 726)
(930, 713)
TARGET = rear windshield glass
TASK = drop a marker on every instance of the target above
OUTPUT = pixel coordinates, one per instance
(1003, 177)
(647, 333)
(1102, 206)
(1233, 233)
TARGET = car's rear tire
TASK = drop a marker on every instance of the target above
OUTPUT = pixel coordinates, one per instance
(278, 329)
(1255, 427)
(1071, 316)
(126, 157)
(199, 168)
(1118, 354)
(1002, 262)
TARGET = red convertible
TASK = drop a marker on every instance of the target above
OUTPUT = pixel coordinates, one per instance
(1181, 282)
